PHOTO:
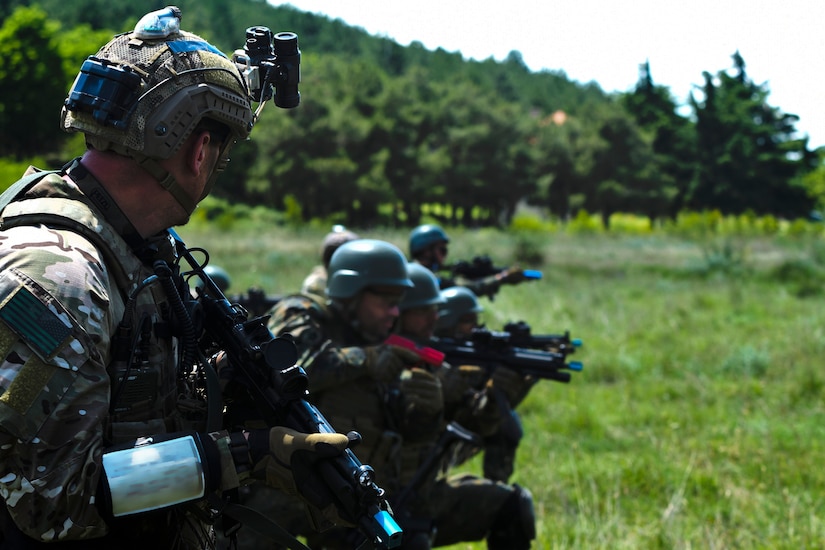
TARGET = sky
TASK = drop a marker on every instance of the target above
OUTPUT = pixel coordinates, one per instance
(781, 41)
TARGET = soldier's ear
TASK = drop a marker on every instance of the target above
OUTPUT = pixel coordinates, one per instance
(198, 157)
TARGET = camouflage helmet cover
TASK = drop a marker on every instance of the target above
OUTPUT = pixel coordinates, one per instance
(166, 84)
(423, 236)
(458, 301)
(362, 263)
(425, 291)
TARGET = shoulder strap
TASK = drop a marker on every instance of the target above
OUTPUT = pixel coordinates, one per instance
(64, 214)
(22, 185)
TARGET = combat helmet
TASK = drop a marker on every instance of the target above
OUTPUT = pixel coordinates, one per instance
(334, 239)
(425, 291)
(362, 263)
(458, 301)
(144, 92)
(423, 236)
(219, 276)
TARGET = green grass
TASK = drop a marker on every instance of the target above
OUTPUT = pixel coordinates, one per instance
(698, 421)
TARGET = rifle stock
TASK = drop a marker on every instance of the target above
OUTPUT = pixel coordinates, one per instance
(264, 365)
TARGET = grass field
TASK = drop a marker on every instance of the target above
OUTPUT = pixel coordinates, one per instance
(698, 421)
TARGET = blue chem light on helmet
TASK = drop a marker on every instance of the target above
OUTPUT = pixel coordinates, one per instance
(109, 91)
(159, 24)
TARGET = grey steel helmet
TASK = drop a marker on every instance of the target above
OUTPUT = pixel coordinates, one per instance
(362, 263)
(219, 276)
(423, 236)
(425, 291)
(144, 92)
(458, 301)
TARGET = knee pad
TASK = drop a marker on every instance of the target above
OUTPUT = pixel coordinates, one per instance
(515, 524)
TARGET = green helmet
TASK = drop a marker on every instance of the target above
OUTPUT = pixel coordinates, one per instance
(144, 93)
(458, 301)
(425, 235)
(425, 291)
(362, 263)
(218, 275)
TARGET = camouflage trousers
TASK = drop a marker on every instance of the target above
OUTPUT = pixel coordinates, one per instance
(461, 508)
(465, 506)
(287, 511)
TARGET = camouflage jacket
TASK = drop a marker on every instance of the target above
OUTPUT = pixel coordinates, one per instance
(65, 277)
(332, 354)
(315, 283)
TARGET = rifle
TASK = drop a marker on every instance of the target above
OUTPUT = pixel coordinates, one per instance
(490, 349)
(521, 335)
(453, 433)
(256, 301)
(265, 366)
(482, 266)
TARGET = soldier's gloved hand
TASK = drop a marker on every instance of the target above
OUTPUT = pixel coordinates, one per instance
(422, 392)
(423, 403)
(274, 452)
(287, 460)
(513, 385)
(458, 382)
(385, 362)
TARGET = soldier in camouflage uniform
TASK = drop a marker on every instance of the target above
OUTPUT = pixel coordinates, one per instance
(316, 282)
(458, 313)
(395, 402)
(457, 317)
(429, 246)
(95, 376)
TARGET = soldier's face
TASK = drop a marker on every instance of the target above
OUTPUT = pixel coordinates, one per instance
(419, 322)
(466, 324)
(437, 254)
(377, 311)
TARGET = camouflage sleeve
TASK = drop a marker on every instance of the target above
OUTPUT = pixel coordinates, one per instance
(325, 362)
(54, 390)
(486, 286)
(316, 282)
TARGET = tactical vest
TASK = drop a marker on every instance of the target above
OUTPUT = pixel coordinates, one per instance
(144, 387)
(149, 395)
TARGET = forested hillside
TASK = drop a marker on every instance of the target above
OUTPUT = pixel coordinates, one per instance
(385, 132)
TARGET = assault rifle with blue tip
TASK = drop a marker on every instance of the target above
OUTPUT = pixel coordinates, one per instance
(483, 277)
(520, 334)
(543, 357)
(263, 367)
(482, 266)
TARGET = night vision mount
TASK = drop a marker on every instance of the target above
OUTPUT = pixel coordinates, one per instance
(271, 65)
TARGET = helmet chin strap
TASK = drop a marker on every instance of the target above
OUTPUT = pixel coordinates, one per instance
(168, 182)
(163, 176)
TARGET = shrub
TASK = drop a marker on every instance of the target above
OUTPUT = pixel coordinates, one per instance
(630, 224)
(585, 223)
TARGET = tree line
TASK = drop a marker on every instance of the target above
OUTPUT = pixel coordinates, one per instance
(384, 131)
